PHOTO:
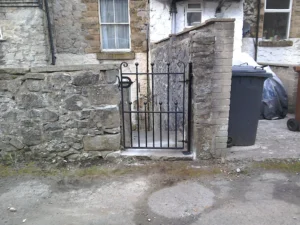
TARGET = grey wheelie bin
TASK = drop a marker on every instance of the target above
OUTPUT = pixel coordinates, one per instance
(245, 102)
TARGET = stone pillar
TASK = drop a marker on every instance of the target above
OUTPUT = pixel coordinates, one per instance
(202, 57)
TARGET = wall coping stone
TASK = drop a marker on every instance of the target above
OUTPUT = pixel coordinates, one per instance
(49, 69)
(15, 71)
(276, 64)
(204, 24)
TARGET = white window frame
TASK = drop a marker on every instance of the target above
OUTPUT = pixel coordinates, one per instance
(282, 11)
(187, 10)
(128, 23)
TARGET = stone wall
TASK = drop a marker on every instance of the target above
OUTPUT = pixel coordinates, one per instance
(289, 79)
(272, 54)
(59, 113)
(77, 31)
(161, 20)
(250, 16)
(210, 49)
(25, 37)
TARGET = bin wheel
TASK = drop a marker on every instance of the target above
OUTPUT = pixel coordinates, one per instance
(229, 142)
(293, 125)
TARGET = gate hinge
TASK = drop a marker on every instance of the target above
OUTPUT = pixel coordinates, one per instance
(124, 82)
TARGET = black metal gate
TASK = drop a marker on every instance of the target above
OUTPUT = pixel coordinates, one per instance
(156, 107)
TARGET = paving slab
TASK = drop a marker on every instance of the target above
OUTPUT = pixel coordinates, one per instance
(273, 141)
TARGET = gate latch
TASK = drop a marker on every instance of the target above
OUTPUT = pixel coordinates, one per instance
(125, 82)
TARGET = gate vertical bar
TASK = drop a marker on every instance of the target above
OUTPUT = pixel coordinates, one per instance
(160, 130)
(183, 101)
(168, 89)
(152, 77)
(130, 121)
(137, 101)
(146, 130)
(183, 105)
(176, 105)
(189, 141)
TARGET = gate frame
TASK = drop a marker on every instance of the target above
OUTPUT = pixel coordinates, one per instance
(125, 82)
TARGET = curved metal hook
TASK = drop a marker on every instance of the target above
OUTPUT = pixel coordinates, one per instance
(180, 63)
(123, 64)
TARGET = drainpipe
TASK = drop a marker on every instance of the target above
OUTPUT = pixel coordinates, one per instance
(257, 28)
(53, 58)
(173, 12)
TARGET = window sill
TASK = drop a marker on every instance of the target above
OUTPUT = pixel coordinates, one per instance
(115, 55)
(281, 43)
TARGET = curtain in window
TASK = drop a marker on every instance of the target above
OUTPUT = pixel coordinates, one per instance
(107, 11)
(114, 24)
(121, 11)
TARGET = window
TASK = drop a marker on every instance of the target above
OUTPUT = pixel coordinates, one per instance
(277, 19)
(114, 21)
(193, 14)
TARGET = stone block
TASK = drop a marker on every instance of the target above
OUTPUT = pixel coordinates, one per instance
(34, 85)
(103, 94)
(106, 117)
(221, 139)
(10, 116)
(221, 145)
(85, 78)
(31, 135)
(110, 76)
(49, 116)
(76, 103)
(3, 85)
(116, 56)
(102, 143)
(16, 143)
(14, 85)
(14, 71)
(34, 76)
(52, 126)
(58, 80)
(7, 147)
(281, 43)
(31, 100)
(68, 153)
(53, 135)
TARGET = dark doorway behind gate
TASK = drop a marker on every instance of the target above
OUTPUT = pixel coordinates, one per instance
(160, 119)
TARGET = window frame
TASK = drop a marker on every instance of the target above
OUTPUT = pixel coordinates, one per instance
(187, 10)
(281, 11)
(128, 23)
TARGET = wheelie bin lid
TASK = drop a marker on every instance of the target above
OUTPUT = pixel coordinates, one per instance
(249, 71)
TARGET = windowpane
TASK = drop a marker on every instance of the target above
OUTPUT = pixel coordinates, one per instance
(108, 37)
(275, 24)
(107, 11)
(193, 18)
(278, 4)
(121, 11)
(122, 35)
